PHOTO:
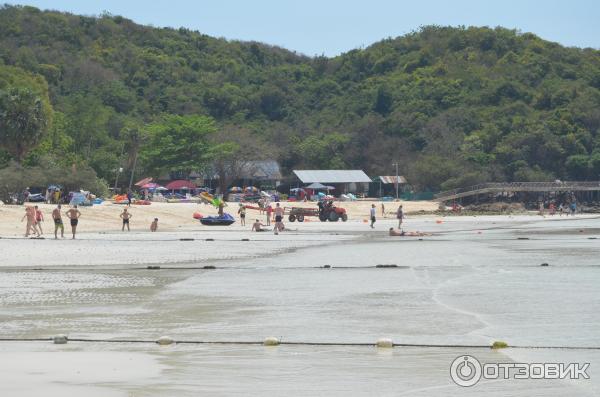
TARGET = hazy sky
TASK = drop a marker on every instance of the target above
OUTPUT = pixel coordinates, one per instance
(331, 27)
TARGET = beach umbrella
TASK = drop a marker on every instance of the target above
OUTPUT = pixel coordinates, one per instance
(330, 187)
(150, 185)
(161, 188)
(235, 189)
(251, 189)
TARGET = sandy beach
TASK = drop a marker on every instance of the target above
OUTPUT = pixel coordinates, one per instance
(174, 216)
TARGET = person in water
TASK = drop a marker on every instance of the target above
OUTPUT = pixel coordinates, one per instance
(401, 233)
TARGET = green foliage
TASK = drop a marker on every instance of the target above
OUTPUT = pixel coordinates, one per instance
(15, 178)
(23, 121)
(179, 143)
(453, 106)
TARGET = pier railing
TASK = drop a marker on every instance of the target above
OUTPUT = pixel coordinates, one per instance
(497, 187)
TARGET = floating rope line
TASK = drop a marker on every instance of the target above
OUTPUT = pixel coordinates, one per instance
(100, 269)
(291, 343)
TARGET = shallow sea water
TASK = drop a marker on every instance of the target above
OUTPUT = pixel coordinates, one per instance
(475, 281)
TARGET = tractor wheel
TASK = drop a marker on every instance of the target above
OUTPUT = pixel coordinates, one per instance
(344, 217)
(300, 218)
(333, 216)
(322, 217)
(292, 218)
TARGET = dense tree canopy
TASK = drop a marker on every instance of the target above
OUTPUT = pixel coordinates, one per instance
(453, 106)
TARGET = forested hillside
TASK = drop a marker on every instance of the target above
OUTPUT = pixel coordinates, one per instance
(454, 106)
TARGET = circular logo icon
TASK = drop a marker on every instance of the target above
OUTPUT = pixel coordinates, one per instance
(465, 371)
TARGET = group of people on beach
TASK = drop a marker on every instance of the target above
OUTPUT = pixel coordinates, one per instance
(258, 226)
(35, 217)
(569, 208)
(373, 215)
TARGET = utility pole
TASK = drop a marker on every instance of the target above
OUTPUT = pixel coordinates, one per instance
(396, 180)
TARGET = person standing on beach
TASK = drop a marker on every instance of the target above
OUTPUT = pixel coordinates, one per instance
(58, 223)
(269, 211)
(573, 208)
(129, 197)
(400, 217)
(125, 216)
(382, 210)
(278, 219)
(73, 214)
(30, 216)
(242, 212)
(372, 213)
(39, 218)
(154, 225)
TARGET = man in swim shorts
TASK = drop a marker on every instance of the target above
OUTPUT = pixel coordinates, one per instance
(154, 225)
(278, 219)
(73, 214)
(125, 216)
(58, 223)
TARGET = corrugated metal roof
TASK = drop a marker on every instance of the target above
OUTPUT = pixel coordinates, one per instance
(392, 179)
(332, 176)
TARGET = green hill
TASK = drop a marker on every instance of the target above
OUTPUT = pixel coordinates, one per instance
(454, 106)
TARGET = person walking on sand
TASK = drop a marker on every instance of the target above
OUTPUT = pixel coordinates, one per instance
(58, 223)
(129, 197)
(30, 216)
(154, 225)
(39, 218)
(372, 213)
(400, 217)
(125, 216)
(242, 212)
(73, 214)
(269, 212)
(382, 210)
(278, 219)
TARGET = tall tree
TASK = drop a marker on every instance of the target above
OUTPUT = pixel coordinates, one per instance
(23, 121)
(179, 143)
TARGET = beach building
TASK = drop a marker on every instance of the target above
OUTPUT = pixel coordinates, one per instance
(343, 181)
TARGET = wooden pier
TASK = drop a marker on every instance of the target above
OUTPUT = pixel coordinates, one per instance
(504, 188)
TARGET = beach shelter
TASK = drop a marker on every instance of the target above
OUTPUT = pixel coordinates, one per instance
(316, 186)
(143, 181)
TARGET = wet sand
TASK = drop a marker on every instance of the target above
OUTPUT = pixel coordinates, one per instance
(476, 280)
